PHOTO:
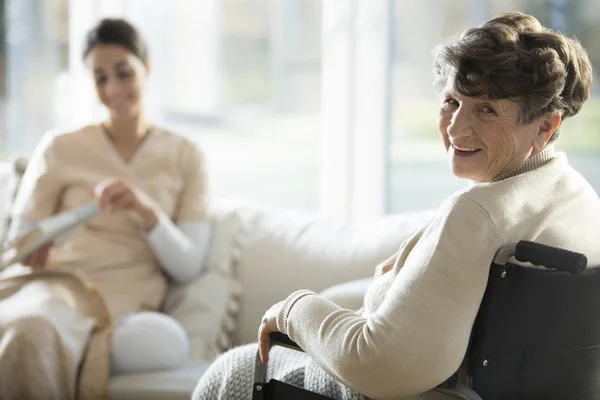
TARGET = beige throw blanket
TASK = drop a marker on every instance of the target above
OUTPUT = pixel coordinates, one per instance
(55, 333)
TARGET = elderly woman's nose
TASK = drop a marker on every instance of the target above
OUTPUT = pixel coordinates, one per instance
(460, 124)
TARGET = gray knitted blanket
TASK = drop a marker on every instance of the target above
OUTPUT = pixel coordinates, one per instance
(231, 376)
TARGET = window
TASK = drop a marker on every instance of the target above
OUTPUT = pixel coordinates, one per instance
(2, 73)
(306, 104)
(240, 77)
(35, 49)
(418, 174)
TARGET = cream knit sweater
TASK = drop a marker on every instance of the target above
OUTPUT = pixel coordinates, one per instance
(418, 317)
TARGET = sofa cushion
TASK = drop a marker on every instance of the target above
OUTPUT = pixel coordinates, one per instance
(286, 251)
(177, 384)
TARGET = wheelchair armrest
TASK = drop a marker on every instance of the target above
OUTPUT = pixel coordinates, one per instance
(449, 387)
(276, 338)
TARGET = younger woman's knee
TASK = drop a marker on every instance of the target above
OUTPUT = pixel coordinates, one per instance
(148, 341)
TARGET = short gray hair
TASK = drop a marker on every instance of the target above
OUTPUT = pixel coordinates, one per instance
(514, 56)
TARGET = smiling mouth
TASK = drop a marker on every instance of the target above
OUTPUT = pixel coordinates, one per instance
(465, 149)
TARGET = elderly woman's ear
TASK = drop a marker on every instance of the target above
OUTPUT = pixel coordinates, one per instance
(548, 124)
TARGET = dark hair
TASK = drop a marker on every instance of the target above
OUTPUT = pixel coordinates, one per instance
(513, 56)
(116, 31)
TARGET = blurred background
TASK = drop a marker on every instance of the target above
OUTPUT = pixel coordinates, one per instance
(320, 106)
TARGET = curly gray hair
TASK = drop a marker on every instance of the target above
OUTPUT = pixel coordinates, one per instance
(514, 56)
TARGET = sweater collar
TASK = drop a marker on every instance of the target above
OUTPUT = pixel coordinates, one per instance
(534, 162)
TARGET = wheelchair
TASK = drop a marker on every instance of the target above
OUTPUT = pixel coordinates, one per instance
(536, 335)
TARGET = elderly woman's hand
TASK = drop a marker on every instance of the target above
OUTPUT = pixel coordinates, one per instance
(385, 266)
(267, 326)
(118, 194)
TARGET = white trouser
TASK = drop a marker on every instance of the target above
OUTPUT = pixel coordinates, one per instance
(147, 341)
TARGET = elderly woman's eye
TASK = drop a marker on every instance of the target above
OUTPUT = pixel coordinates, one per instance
(488, 110)
(451, 101)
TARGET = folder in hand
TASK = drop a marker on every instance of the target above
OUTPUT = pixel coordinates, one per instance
(53, 229)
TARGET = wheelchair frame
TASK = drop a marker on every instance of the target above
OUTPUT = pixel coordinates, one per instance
(565, 263)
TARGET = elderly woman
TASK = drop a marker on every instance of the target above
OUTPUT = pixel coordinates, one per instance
(505, 88)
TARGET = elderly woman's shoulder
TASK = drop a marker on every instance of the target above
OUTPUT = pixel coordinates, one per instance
(554, 186)
(463, 201)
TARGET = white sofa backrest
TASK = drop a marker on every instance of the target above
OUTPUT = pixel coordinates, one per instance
(286, 251)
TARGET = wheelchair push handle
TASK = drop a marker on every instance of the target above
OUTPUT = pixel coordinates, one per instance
(550, 257)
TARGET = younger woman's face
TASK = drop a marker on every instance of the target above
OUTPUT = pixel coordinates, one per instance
(119, 76)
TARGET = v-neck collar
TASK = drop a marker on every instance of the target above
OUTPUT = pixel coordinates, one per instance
(115, 151)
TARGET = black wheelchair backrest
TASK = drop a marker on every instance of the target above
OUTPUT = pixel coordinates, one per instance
(537, 333)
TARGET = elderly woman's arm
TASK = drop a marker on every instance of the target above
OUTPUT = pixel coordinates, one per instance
(418, 336)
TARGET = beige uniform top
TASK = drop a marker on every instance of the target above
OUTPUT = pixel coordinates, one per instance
(112, 251)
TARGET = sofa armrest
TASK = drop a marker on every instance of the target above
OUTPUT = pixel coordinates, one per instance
(348, 295)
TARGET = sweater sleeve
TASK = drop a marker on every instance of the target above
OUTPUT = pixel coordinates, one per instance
(419, 334)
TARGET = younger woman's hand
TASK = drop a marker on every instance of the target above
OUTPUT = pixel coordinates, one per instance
(38, 259)
(120, 195)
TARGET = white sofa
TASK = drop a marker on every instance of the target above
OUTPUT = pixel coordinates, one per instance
(271, 254)
(257, 257)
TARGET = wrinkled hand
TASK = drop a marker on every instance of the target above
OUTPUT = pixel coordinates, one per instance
(38, 259)
(268, 325)
(385, 266)
(120, 195)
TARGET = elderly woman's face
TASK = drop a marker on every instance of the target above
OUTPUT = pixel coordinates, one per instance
(482, 136)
